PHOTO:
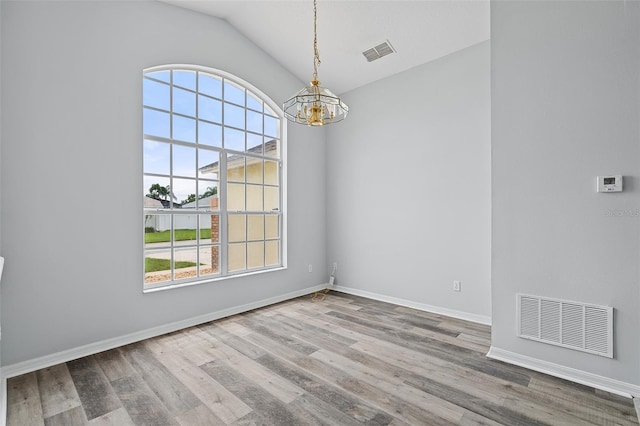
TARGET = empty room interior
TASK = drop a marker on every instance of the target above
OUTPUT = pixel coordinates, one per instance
(352, 212)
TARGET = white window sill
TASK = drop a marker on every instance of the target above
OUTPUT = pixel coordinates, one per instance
(211, 280)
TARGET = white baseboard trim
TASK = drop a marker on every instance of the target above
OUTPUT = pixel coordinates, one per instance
(28, 366)
(578, 376)
(482, 319)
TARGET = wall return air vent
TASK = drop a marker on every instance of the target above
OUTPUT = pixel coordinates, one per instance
(574, 325)
(377, 52)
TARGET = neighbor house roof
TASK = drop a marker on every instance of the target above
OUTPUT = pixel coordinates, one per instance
(152, 203)
(269, 147)
(202, 202)
(155, 203)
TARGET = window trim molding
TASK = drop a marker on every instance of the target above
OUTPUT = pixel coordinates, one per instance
(277, 109)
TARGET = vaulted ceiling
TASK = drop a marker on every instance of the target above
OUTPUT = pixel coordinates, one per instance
(419, 30)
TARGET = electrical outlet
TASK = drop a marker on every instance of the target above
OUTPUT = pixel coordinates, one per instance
(335, 266)
(456, 286)
(310, 268)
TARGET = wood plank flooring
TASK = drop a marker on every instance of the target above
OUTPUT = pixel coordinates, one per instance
(343, 361)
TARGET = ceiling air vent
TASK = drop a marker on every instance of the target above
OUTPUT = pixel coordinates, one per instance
(377, 52)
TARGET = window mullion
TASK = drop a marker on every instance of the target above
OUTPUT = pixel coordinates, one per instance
(197, 117)
(246, 215)
(197, 200)
(280, 213)
(172, 248)
(223, 219)
(173, 222)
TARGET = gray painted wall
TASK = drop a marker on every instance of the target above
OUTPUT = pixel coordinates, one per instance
(2, 388)
(408, 185)
(71, 138)
(566, 108)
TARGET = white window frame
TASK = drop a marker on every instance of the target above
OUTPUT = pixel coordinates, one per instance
(224, 274)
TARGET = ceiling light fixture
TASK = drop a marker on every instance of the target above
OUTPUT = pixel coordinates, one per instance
(315, 105)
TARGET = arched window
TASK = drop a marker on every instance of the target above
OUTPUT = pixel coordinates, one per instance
(213, 177)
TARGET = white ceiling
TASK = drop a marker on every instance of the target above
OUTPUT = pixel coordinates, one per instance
(419, 30)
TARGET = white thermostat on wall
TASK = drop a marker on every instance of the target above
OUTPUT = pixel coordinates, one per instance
(609, 183)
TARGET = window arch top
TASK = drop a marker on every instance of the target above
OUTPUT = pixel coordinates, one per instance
(205, 106)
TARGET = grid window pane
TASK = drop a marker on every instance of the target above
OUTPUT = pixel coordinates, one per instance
(156, 188)
(271, 172)
(254, 144)
(157, 157)
(209, 109)
(255, 227)
(209, 228)
(272, 148)
(271, 226)
(268, 110)
(186, 79)
(235, 168)
(253, 102)
(233, 93)
(255, 254)
(157, 231)
(210, 85)
(208, 195)
(156, 123)
(233, 139)
(157, 266)
(237, 227)
(254, 197)
(183, 192)
(160, 75)
(209, 260)
(271, 126)
(233, 116)
(156, 94)
(184, 161)
(208, 163)
(271, 198)
(254, 121)
(184, 102)
(209, 134)
(272, 252)
(185, 262)
(184, 129)
(237, 257)
(184, 229)
(235, 197)
(254, 170)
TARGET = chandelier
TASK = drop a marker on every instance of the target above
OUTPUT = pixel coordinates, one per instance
(315, 105)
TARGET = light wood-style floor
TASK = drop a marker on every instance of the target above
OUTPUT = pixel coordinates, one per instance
(344, 361)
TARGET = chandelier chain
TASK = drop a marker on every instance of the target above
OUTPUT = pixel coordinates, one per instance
(316, 54)
(315, 105)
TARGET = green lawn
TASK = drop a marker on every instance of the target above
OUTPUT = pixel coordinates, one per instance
(151, 264)
(180, 235)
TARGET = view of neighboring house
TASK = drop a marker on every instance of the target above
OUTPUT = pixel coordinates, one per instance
(253, 222)
(161, 223)
(253, 186)
(153, 203)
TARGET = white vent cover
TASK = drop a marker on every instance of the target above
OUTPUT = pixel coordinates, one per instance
(377, 52)
(574, 325)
